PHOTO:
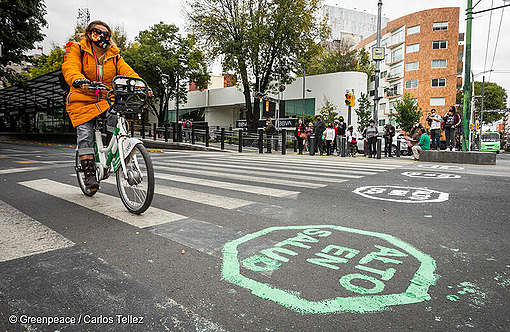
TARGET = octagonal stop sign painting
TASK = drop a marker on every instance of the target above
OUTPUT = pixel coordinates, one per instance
(373, 274)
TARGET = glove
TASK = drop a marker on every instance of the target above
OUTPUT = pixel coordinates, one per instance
(80, 82)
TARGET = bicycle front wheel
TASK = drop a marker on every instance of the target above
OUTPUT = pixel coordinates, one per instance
(137, 189)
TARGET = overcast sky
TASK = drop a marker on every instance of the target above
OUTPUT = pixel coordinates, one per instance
(135, 15)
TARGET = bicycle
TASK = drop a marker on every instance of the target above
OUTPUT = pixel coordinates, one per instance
(125, 156)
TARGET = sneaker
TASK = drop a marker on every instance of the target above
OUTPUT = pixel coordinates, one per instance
(89, 170)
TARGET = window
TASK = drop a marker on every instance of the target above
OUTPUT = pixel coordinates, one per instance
(394, 90)
(382, 122)
(412, 84)
(372, 93)
(397, 54)
(413, 30)
(440, 26)
(438, 63)
(383, 74)
(412, 48)
(382, 107)
(437, 101)
(438, 44)
(397, 37)
(438, 82)
(412, 66)
(384, 42)
(395, 71)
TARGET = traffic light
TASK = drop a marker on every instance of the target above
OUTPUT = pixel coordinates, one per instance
(477, 126)
(347, 99)
(352, 100)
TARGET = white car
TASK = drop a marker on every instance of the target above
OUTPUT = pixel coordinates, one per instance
(360, 142)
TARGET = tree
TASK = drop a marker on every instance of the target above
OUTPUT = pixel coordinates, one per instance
(46, 63)
(154, 56)
(263, 41)
(339, 58)
(495, 98)
(21, 23)
(119, 37)
(407, 112)
(328, 111)
(364, 112)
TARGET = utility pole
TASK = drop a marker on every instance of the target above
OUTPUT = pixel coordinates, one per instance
(303, 101)
(480, 117)
(466, 110)
(377, 66)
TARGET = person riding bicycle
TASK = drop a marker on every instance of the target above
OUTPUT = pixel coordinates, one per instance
(94, 58)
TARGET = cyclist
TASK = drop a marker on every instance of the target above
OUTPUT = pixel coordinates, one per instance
(94, 58)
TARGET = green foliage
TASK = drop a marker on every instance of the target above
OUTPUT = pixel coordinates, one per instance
(338, 58)
(46, 63)
(155, 56)
(264, 42)
(309, 118)
(21, 22)
(119, 37)
(407, 112)
(364, 112)
(328, 111)
(495, 97)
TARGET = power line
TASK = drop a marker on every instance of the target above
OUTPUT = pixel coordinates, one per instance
(497, 39)
(488, 39)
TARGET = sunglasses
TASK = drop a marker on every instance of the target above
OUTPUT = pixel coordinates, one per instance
(100, 32)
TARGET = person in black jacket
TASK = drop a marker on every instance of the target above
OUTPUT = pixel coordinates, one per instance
(319, 127)
(340, 129)
(389, 132)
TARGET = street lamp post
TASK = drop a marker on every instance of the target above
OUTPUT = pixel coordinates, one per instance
(303, 101)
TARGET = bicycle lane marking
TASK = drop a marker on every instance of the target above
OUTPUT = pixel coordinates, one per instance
(402, 194)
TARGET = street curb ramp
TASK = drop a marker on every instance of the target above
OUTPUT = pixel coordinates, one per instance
(459, 157)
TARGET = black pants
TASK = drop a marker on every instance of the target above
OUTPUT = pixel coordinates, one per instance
(300, 144)
(435, 135)
(319, 144)
(372, 146)
(450, 138)
(329, 147)
(388, 142)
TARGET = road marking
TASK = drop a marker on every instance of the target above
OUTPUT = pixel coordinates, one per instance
(431, 175)
(267, 176)
(103, 203)
(450, 167)
(26, 161)
(229, 186)
(194, 196)
(271, 170)
(402, 194)
(20, 170)
(23, 236)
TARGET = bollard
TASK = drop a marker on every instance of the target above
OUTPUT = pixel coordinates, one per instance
(385, 147)
(295, 144)
(230, 137)
(173, 132)
(142, 131)
(132, 129)
(365, 147)
(206, 136)
(166, 131)
(193, 135)
(222, 137)
(311, 148)
(240, 141)
(397, 153)
(268, 143)
(343, 145)
(379, 143)
(154, 130)
(261, 141)
(284, 141)
(276, 143)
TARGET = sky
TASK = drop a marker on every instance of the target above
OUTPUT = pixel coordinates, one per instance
(136, 15)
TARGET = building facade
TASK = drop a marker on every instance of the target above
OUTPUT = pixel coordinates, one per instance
(423, 57)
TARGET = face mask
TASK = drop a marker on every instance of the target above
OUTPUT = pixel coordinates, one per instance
(100, 39)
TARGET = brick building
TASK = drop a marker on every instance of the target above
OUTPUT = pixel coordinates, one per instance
(424, 53)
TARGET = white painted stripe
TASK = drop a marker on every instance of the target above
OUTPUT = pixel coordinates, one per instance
(291, 172)
(196, 196)
(103, 203)
(20, 170)
(23, 236)
(227, 185)
(267, 176)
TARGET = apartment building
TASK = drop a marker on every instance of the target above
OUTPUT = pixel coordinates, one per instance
(423, 57)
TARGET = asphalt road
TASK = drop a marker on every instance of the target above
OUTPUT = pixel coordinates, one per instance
(242, 242)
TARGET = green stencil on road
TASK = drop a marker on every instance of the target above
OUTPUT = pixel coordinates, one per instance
(365, 288)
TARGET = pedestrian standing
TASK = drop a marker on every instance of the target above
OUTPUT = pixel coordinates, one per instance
(300, 135)
(319, 128)
(270, 131)
(451, 121)
(329, 135)
(423, 144)
(308, 132)
(340, 132)
(434, 121)
(351, 142)
(389, 132)
(370, 135)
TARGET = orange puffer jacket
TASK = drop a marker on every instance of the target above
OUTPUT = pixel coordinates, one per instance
(83, 105)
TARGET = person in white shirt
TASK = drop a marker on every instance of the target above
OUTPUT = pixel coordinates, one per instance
(351, 142)
(434, 121)
(330, 137)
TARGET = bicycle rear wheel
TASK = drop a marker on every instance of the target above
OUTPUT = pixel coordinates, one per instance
(137, 190)
(81, 177)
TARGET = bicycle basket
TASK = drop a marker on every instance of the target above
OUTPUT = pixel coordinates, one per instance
(131, 94)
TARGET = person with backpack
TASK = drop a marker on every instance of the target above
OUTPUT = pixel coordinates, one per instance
(389, 132)
(94, 58)
(450, 122)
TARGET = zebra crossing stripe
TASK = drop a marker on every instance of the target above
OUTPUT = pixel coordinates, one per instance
(268, 177)
(229, 186)
(102, 203)
(195, 196)
(23, 236)
(326, 176)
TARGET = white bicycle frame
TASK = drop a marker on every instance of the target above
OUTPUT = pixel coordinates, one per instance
(115, 153)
